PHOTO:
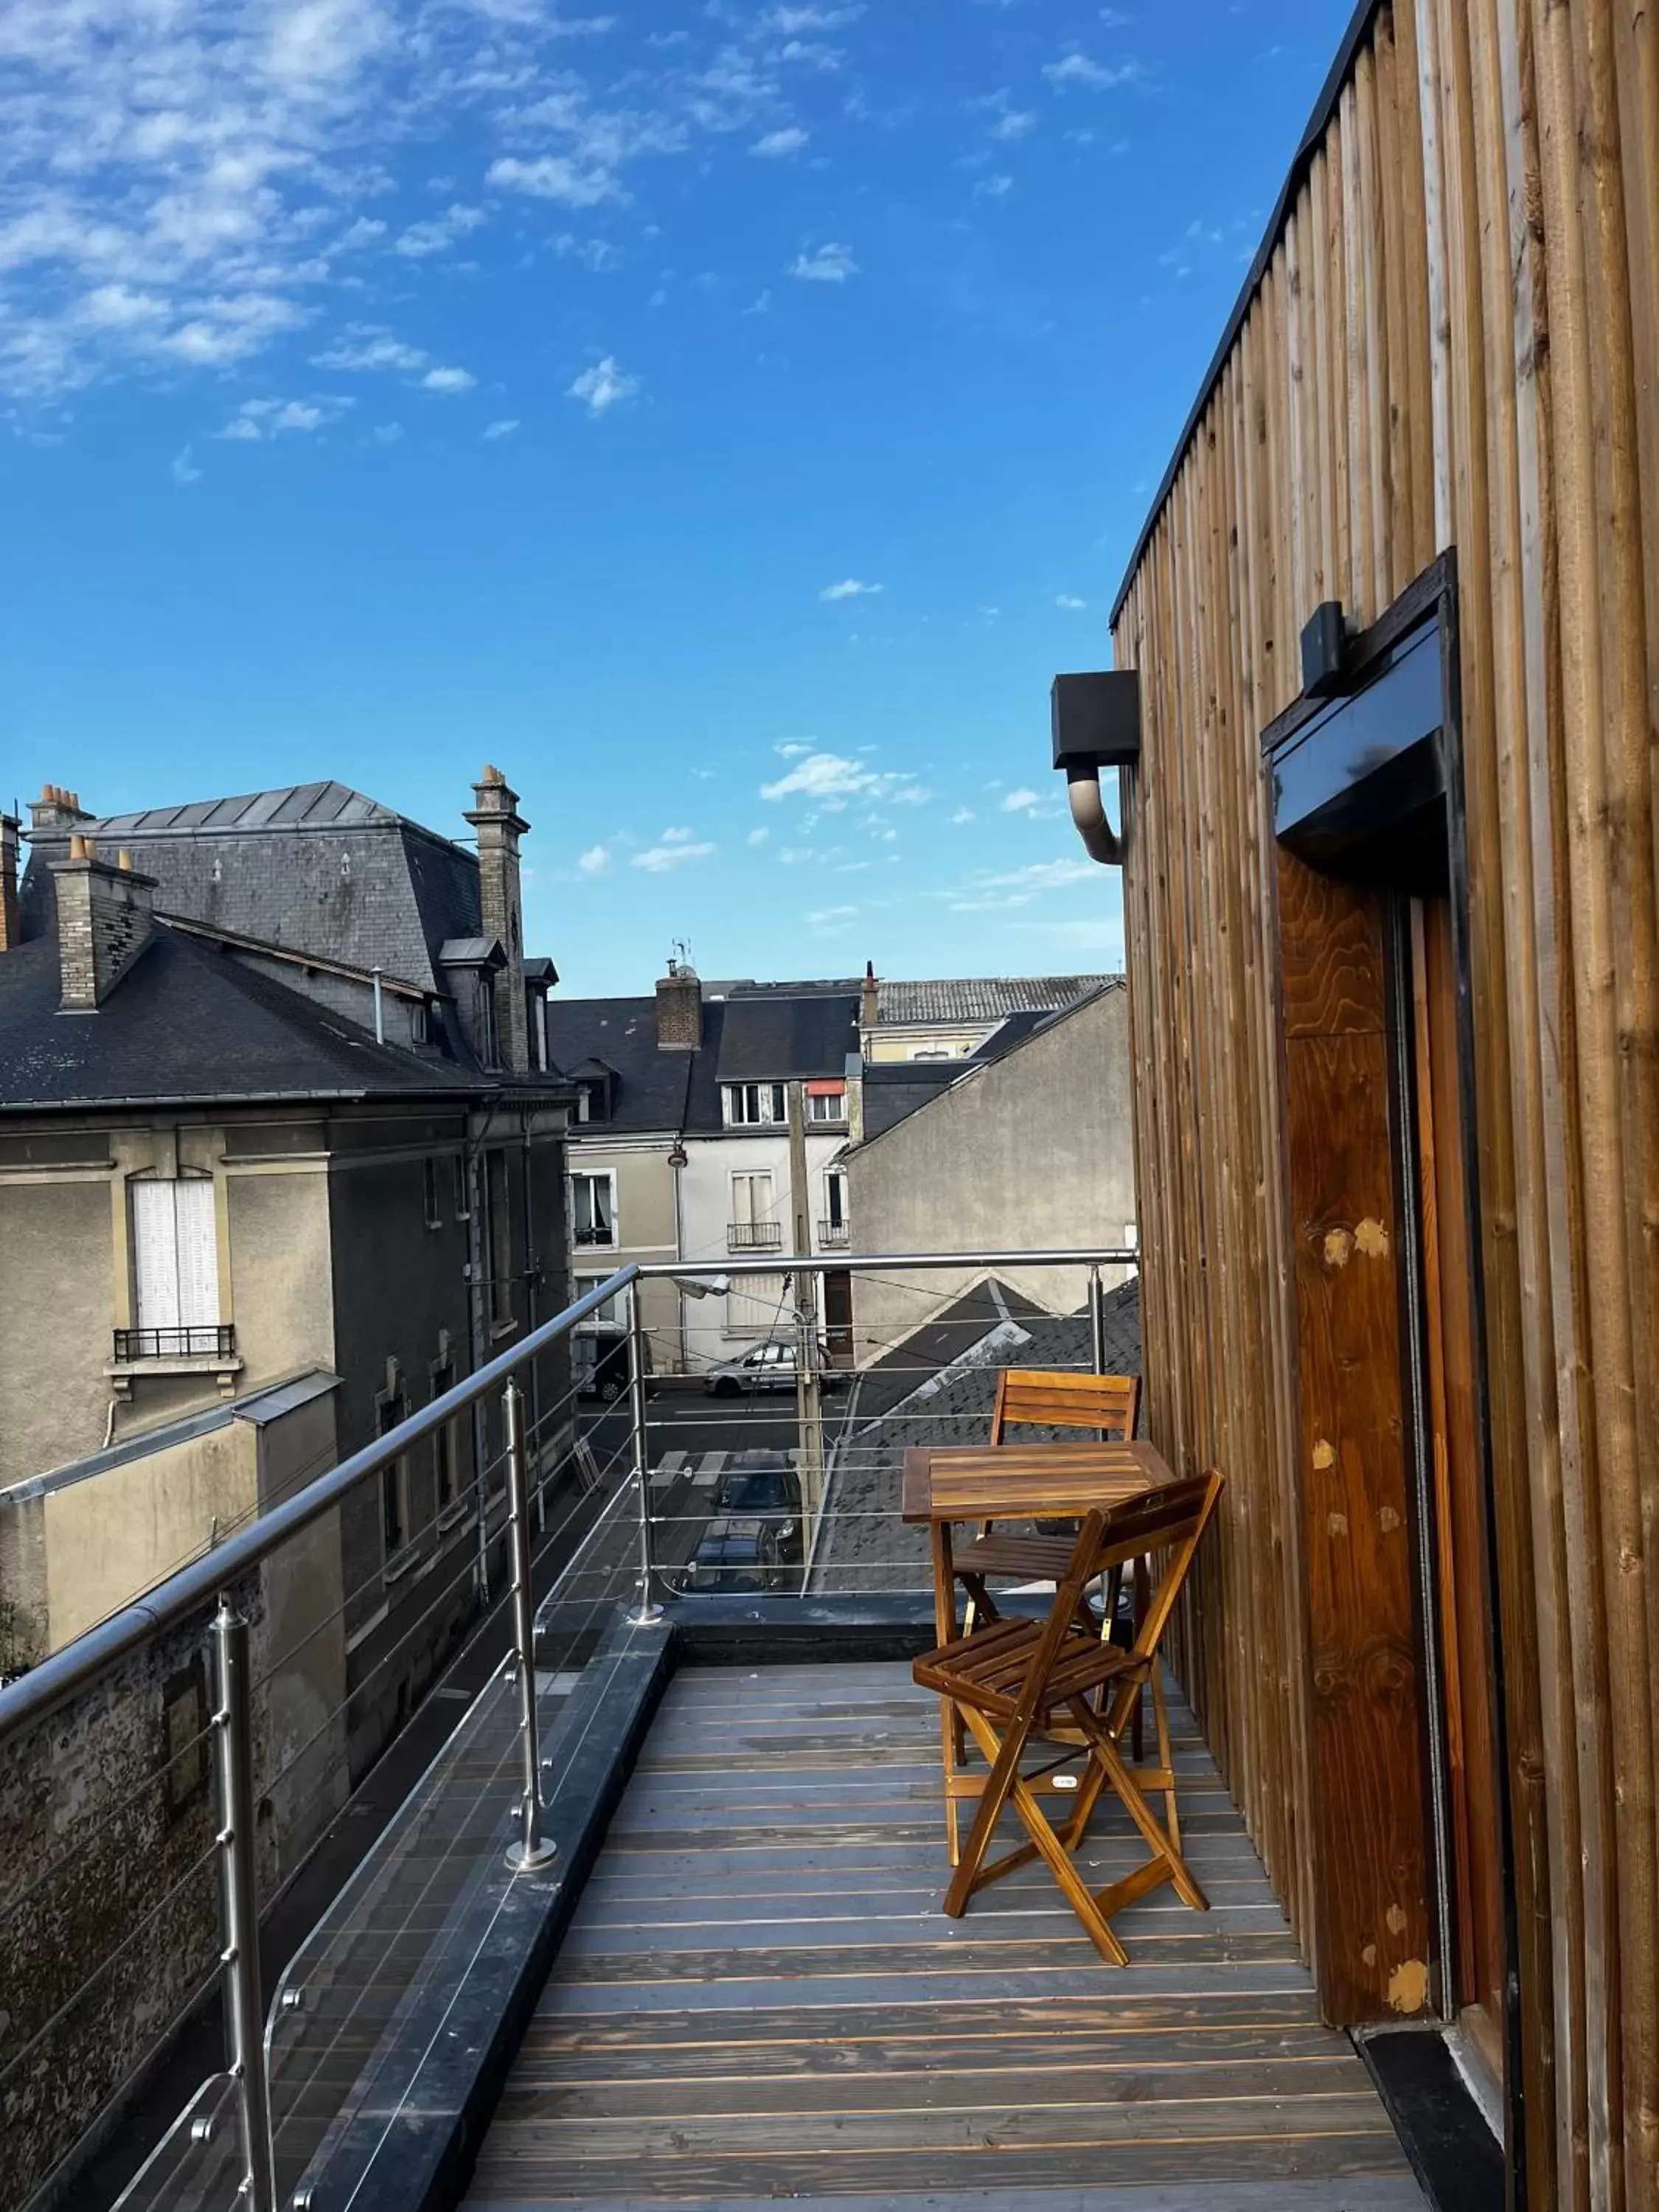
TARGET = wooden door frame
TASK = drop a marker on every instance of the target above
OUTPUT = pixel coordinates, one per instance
(1431, 598)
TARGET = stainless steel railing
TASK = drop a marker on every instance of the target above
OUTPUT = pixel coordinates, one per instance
(213, 1581)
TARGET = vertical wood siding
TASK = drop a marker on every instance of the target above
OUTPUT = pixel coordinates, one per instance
(1454, 341)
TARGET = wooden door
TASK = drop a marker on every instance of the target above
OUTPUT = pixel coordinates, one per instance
(1476, 1968)
(838, 1318)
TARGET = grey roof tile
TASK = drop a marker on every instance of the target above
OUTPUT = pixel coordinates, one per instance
(983, 998)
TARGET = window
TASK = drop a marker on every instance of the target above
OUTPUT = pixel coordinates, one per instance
(538, 1030)
(758, 1305)
(835, 1190)
(417, 1030)
(584, 1102)
(750, 1104)
(175, 1255)
(827, 1105)
(443, 1443)
(488, 1053)
(184, 1727)
(593, 1209)
(751, 1197)
(498, 1239)
(429, 1184)
(462, 1202)
(753, 1226)
(930, 1052)
(613, 1314)
(394, 1483)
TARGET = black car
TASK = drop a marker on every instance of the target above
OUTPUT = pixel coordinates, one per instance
(601, 1361)
(762, 1486)
(740, 1558)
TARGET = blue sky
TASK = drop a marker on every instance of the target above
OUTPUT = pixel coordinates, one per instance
(726, 417)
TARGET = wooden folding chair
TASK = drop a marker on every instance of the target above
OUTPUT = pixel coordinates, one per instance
(1015, 1680)
(1108, 1406)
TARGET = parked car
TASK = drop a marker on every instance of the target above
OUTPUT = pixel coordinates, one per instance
(769, 1366)
(601, 1360)
(740, 1557)
(762, 1487)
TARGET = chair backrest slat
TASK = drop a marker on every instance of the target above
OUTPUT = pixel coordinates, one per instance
(1059, 1399)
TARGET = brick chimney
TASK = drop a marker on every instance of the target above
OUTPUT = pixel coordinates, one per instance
(679, 1009)
(10, 926)
(870, 999)
(500, 826)
(105, 919)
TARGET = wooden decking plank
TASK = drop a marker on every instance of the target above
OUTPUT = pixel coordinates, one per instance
(759, 1997)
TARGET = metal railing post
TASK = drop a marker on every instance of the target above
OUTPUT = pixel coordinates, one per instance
(245, 2020)
(532, 1849)
(646, 1612)
(1097, 1319)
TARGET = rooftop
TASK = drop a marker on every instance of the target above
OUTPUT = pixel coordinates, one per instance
(983, 998)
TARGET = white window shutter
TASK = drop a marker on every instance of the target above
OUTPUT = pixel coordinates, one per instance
(155, 1254)
(198, 1253)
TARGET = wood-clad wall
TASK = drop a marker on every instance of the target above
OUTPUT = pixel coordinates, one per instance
(1454, 341)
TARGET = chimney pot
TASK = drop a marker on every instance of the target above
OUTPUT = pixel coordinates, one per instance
(500, 826)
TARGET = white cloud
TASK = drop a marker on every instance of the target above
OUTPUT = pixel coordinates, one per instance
(1013, 125)
(777, 143)
(757, 836)
(260, 419)
(603, 386)
(387, 433)
(448, 379)
(832, 779)
(851, 588)
(963, 814)
(504, 428)
(365, 348)
(555, 176)
(828, 917)
(792, 748)
(439, 232)
(994, 188)
(1043, 876)
(795, 856)
(676, 849)
(1021, 802)
(184, 468)
(1071, 605)
(1078, 69)
(826, 264)
(594, 862)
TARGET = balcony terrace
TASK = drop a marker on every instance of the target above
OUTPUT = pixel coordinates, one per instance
(659, 1920)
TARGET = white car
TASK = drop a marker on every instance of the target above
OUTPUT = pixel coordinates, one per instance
(765, 1367)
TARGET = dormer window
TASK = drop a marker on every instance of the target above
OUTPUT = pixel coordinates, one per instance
(750, 1105)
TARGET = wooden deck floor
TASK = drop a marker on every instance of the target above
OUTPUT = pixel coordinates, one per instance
(759, 1998)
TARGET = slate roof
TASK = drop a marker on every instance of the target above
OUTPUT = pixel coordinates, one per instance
(653, 1092)
(983, 998)
(783, 1039)
(936, 1387)
(188, 1021)
(313, 867)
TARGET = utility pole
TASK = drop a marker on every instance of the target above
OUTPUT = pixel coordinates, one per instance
(809, 1397)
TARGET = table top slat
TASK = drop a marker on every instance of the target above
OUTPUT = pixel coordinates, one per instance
(976, 1482)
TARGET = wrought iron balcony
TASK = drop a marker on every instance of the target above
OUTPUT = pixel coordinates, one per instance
(834, 1236)
(754, 1237)
(597, 1232)
(195, 1340)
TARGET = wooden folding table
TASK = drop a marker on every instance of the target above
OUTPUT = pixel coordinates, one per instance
(948, 1483)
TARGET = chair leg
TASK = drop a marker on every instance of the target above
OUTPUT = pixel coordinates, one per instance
(1047, 1845)
(1005, 1773)
(1166, 1757)
(1163, 1847)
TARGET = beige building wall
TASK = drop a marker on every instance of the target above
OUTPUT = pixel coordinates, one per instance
(891, 1041)
(55, 1308)
(281, 1277)
(1034, 1152)
(647, 1219)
